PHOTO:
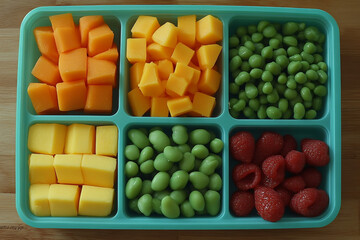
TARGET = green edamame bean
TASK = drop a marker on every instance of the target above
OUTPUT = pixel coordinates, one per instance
(234, 113)
(254, 104)
(314, 67)
(290, 28)
(146, 187)
(169, 207)
(274, 43)
(145, 204)
(197, 200)
(200, 151)
(244, 53)
(252, 29)
(235, 73)
(197, 164)
(179, 179)
(133, 205)
(274, 68)
(218, 158)
(288, 114)
(215, 182)
(198, 179)
(161, 163)
(161, 194)
(296, 100)
(251, 91)
(310, 114)
(260, 87)
(290, 94)
(216, 145)
(282, 60)
(188, 162)
(179, 134)
(233, 52)
(159, 140)
(138, 138)
(212, 202)
(290, 41)
(257, 37)
(267, 52)
(311, 33)
(256, 61)
(296, 57)
(249, 113)
(266, 76)
(282, 79)
(322, 66)
(156, 205)
(302, 26)
(232, 102)
(250, 45)
(145, 154)
(179, 196)
(269, 31)
(280, 88)
(235, 63)
(322, 76)
(131, 152)
(255, 73)
(160, 181)
(147, 167)
(261, 25)
(241, 31)
(239, 105)
(279, 52)
(299, 111)
(133, 187)
(173, 169)
(273, 97)
(267, 88)
(234, 88)
(242, 78)
(243, 39)
(245, 66)
(184, 148)
(173, 154)
(292, 51)
(312, 75)
(306, 94)
(307, 104)
(320, 91)
(199, 136)
(310, 85)
(305, 66)
(131, 169)
(186, 209)
(273, 112)
(283, 105)
(208, 165)
(234, 41)
(258, 47)
(261, 113)
(300, 77)
(294, 67)
(307, 57)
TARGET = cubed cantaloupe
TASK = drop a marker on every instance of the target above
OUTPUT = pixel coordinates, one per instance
(192, 88)
(66, 39)
(182, 53)
(159, 107)
(187, 30)
(43, 98)
(64, 200)
(139, 103)
(45, 40)
(101, 72)
(111, 55)
(209, 81)
(166, 35)
(71, 95)
(39, 199)
(207, 55)
(144, 27)
(80, 138)
(62, 20)
(136, 50)
(203, 104)
(96, 201)
(165, 67)
(68, 168)
(41, 169)
(106, 142)
(177, 85)
(179, 106)
(156, 52)
(86, 23)
(183, 70)
(150, 85)
(136, 71)
(47, 138)
(209, 30)
(99, 99)
(98, 170)
(100, 40)
(73, 65)
(46, 71)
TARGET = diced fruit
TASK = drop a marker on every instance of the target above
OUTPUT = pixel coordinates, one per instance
(159, 107)
(43, 98)
(177, 85)
(179, 106)
(38, 199)
(182, 53)
(100, 40)
(310, 202)
(209, 30)
(106, 140)
(209, 81)
(45, 40)
(242, 203)
(269, 204)
(203, 104)
(136, 71)
(182, 70)
(187, 30)
(73, 65)
(64, 200)
(150, 84)
(242, 146)
(111, 55)
(71, 95)
(165, 68)
(139, 104)
(62, 20)
(207, 55)
(246, 176)
(41, 169)
(96, 201)
(80, 138)
(68, 168)
(87, 23)
(101, 72)
(136, 50)
(157, 52)
(66, 39)
(46, 71)
(99, 99)
(166, 35)
(144, 27)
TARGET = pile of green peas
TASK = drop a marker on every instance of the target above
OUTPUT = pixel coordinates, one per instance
(277, 71)
(173, 175)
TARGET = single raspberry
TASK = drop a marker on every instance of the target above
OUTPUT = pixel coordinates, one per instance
(289, 144)
(310, 202)
(269, 204)
(274, 167)
(312, 177)
(242, 203)
(316, 152)
(285, 195)
(242, 146)
(268, 144)
(246, 176)
(295, 161)
(294, 184)
(271, 183)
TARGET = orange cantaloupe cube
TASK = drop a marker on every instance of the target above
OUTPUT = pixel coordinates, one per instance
(165, 67)
(156, 52)
(150, 84)
(46, 71)
(100, 40)
(209, 81)
(99, 99)
(166, 35)
(101, 72)
(187, 30)
(62, 20)
(136, 50)
(203, 104)
(163, 85)
(87, 23)
(207, 55)
(43, 98)
(71, 95)
(177, 85)
(144, 27)
(73, 65)
(66, 39)
(45, 40)
(184, 71)
(209, 30)
(111, 55)
(182, 53)
(139, 104)
(192, 88)
(136, 71)
(159, 107)
(179, 106)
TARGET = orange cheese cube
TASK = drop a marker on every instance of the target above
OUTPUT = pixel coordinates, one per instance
(73, 65)
(159, 107)
(182, 53)
(87, 23)
(166, 35)
(100, 40)
(43, 98)
(139, 104)
(203, 104)
(187, 30)
(66, 39)
(62, 20)
(71, 95)
(150, 85)
(207, 55)
(136, 71)
(192, 88)
(177, 85)
(46, 71)
(184, 71)
(144, 27)
(99, 99)
(136, 50)
(111, 55)
(165, 67)
(209, 30)
(209, 81)
(101, 72)
(45, 40)
(157, 52)
(179, 106)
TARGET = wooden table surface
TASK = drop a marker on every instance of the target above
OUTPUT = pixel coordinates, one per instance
(345, 226)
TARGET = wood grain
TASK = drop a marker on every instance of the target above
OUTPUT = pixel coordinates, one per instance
(346, 225)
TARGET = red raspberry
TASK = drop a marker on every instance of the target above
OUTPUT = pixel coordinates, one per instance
(246, 176)
(242, 203)
(310, 202)
(312, 177)
(316, 152)
(285, 195)
(274, 167)
(289, 144)
(269, 204)
(242, 146)
(294, 184)
(271, 183)
(268, 144)
(295, 161)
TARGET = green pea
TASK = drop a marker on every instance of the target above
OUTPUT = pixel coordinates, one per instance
(291, 51)
(138, 138)
(260, 87)
(274, 43)
(311, 33)
(232, 102)
(307, 57)
(216, 145)
(309, 48)
(245, 66)
(305, 66)
(290, 28)
(273, 112)
(244, 39)
(282, 79)
(261, 25)
(156, 205)
(249, 113)
(145, 154)
(186, 209)
(300, 78)
(299, 111)
(160, 181)
(266, 76)
(161, 163)
(295, 57)
(234, 88)
(269, 31)
(133, 205)
(133, 187)
(322, 76)
(197, 200)
(310, 114)
(257, 37)
(294, 67)
(254, 104)
(251, 91)
(198, 179)
(145, 204)
(241, 31)
(199, 136)
(233, 52)
(250, 45)
(302, 26)
(317, 103)
(252, 29)
(242, 78)
(188, 162)
(282, 61)
(178, 180)
(235, 63)
(310, 85)
(179, 134)
(173, 154)
(258, 47)
(290, 94)
(208, 165)
(291, 83)
(169, 207)
(179, 196)
(280, 88)
(161, 194)
(131, 169)
(274, 68)
(255, 61)
(314, 67)
(235, 73)
(279, 52)
(245, 53)
(322, 66)
(215, 182)
(283, 105)
(240, 105)
(159, 140)
(255, 73)
(290, 41)
(212, 202)
(301, 36)
(311, 75)
(267, 52)
(306, 94)
(267, 88)
(320, 91)
(234, 41)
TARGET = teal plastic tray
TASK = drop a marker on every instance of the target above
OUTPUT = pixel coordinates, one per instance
(121, 18)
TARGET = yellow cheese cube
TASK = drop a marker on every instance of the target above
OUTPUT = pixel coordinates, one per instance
(38, 199)
(41, 169)
(98, 170)
(179, 106)
(96, 201)
(68, 168)
(207, 55)
(139, 104)
(64, 200)
(107, 140)
(144, 27)
(182, 53)
(150, 84)
(177, 85)
(209, 81)
(209, 29)
(183, 70)
(187, 30)
(47, 138)
(80, 138)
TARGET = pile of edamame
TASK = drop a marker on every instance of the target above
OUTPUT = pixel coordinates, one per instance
(277, 71)
(176, 175)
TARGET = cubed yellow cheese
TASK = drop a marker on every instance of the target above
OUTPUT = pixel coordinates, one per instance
(203, 104)
(41, 169)
(183, 70)
(68, 168)
(47, 138)
(136, 50)
(38, 199)
(64, 200)
(96, 201)
(159, 107)
(179, 106)
(139, 104)
(107, 140)
(177, 85)
(182, 53)
(98, 170)
(209, 29)
(209, 81)
(207, 55)
(80, 138)
(144, 27)
(150, 84)
(187, 30)
(166, 35)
